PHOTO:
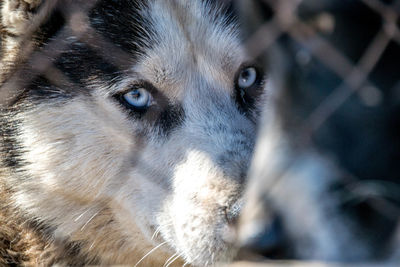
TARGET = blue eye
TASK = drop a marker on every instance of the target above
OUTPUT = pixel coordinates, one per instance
(138, 98)
(247, 77)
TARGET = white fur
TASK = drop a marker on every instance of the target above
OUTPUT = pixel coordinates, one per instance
(90, 167)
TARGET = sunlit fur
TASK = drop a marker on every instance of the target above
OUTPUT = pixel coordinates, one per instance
(112, 186)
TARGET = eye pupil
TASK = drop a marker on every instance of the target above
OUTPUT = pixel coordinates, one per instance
(135, 94)
(245, 74)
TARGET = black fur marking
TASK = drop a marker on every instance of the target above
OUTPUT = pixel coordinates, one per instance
(38, 90)
(50, 28)
(110, 19)
(10, 149)
(81, 65)
(170, 118)
(41, 88)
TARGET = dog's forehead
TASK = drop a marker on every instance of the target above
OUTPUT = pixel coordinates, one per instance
(190, 43)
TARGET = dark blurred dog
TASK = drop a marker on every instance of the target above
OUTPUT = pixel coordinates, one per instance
(326, 174)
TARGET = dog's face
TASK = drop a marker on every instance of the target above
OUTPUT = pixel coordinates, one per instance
(126, 153)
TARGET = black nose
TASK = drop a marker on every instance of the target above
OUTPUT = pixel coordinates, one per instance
(267, 239)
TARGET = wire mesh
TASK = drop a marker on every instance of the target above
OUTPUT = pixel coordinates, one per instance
(299, 34)
(277, 20)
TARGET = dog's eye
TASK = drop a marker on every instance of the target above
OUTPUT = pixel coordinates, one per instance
(247, 77)
(248, 87)
(138, 98)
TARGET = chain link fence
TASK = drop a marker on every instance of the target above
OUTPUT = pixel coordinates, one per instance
(335, 70)
(335, 97)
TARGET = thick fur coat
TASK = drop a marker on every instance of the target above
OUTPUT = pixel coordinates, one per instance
(91, 174)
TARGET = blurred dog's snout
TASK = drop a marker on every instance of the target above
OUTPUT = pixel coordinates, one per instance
(267, 239)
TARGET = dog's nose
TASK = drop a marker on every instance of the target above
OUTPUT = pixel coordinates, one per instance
(267, 239)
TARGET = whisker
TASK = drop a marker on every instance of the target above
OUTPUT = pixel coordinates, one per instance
(88, 221)
(91, 246)
(156, 232)
(80, 216)
(174, 259)
(169, 259)
(148, 253)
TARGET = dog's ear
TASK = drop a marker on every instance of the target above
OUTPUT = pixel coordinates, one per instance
(17, 15)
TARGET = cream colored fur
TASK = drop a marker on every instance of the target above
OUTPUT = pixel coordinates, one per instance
(98, 183)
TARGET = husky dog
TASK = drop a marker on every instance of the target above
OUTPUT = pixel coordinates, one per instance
(127, 128)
